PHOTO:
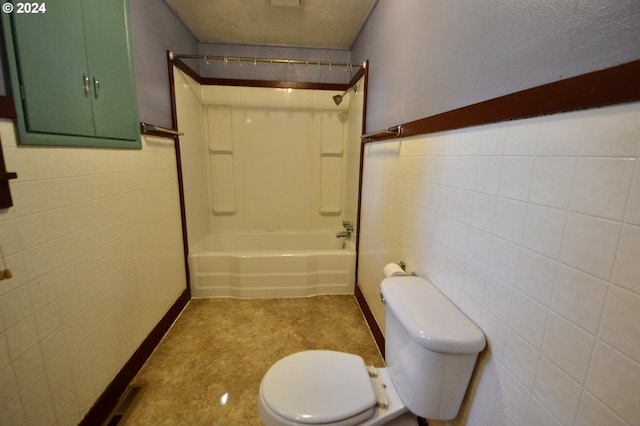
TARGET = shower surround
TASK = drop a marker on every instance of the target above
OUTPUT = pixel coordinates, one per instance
(275, 158)
(274, 163)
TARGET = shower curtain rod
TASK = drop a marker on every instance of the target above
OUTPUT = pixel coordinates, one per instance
(227, 59)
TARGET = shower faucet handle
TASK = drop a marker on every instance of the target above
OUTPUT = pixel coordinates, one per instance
(347, 225)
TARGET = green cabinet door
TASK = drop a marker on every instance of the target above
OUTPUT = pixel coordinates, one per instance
(111, 69)
(51, 60)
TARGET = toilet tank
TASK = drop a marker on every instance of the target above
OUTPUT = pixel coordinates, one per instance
(431, 347)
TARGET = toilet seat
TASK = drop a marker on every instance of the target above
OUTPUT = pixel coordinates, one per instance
(319, 388)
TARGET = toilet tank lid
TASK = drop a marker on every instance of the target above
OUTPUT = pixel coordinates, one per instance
(430, 318)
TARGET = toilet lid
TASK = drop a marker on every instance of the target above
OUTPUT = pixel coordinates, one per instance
(315, 387)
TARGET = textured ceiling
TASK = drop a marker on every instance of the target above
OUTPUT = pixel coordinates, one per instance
(332, 24)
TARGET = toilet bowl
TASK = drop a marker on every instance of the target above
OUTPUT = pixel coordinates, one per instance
(328, 388)
(431, 349)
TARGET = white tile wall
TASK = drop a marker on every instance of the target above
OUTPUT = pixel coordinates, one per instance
(532, 228)
(94, 242)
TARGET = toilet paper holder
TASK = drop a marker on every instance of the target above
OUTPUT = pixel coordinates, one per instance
(402, 266)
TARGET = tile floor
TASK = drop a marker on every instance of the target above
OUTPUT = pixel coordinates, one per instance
(221, 347)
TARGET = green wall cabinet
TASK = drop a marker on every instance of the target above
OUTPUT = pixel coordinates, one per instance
(72, 77)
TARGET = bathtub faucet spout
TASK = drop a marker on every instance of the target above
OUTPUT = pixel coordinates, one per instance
(345, 234)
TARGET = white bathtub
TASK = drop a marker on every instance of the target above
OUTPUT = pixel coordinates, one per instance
(282, 264)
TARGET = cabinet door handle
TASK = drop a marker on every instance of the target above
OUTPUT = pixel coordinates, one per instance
(85, 84)
(96, 87)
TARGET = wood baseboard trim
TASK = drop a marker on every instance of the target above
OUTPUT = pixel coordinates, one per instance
(371, 321)
(109, 398)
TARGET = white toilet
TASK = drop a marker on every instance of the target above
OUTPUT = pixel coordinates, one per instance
(431, 349)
